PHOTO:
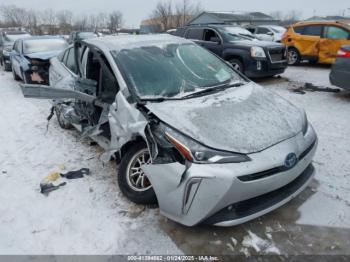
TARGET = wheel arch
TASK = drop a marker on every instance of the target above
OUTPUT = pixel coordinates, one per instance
(136, 140)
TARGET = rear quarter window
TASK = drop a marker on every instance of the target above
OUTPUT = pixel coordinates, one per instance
(195, 34)
(299, 29)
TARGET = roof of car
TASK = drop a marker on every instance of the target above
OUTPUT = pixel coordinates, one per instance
(43, 37)
(321, 23)
(119, 42)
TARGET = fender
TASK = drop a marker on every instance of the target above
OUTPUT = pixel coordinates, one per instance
(239, 53)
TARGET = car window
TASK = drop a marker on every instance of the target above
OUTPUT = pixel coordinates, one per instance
(313, 30)
(195, 33)
(299, 29)
(174, 70)
(210, 35)
(70, 61)
(262, 30)
(334, 32)
(16, 46)
(61, 56)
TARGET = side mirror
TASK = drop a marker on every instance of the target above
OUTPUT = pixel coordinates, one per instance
(270, 33)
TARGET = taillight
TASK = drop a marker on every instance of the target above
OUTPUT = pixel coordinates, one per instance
(343, 53)
(285, 36)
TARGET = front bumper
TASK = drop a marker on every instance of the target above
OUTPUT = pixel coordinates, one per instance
(264, 68)
(202, 193)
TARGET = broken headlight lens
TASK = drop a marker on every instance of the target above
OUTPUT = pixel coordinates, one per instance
(197, 153)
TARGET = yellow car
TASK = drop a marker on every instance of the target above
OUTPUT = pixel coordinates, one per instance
(317, 42)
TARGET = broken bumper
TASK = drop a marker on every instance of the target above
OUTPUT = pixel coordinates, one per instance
(230, 194)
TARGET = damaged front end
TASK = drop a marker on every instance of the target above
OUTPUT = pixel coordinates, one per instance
(38, 72)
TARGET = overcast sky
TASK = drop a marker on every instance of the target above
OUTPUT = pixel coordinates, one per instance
(136, 10)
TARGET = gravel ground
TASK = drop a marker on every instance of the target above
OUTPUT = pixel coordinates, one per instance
(90, 216)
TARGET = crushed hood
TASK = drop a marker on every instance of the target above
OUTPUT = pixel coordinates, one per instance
(244, 119)
(43, 55)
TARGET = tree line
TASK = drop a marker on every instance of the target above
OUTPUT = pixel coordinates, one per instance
(53, 22)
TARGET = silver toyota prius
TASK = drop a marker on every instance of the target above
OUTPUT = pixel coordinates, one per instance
(188, 131)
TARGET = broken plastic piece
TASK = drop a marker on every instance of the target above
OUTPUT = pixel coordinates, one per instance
(48, 188)
(53, 176)
(76, 174)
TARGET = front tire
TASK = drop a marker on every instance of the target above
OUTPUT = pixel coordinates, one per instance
(293, 56)
(237, 64)
(133, 183)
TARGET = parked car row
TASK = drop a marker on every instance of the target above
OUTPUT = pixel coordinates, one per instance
(240, 48)
(317, 42)
(7, 39)
(181, 122)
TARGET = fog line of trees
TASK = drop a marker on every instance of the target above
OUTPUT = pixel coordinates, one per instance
(170, 15)
(52, 22)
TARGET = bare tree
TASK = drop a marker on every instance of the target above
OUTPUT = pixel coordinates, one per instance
(293, 15)
(115, 21)
(13, 15)
(185, 11)
(49, 21)
(278, 15)
(65, 21)
(163, 14)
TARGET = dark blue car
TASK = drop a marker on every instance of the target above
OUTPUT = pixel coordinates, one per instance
(30, 57)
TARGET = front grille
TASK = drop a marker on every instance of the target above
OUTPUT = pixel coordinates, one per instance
(277, 54)
(254, 205)
(275, 170)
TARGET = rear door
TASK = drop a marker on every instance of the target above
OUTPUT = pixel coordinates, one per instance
(195, 34)
(333, 38)
(307, 40)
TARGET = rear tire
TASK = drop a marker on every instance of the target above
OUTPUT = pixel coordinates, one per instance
(131, 180)
(293, 56)
(237, 64)
(7, 67)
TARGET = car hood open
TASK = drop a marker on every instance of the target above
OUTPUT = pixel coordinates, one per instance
(245, 119)
(43, 55)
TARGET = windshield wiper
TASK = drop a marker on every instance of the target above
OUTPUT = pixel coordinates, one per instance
(213, 89)
(158, 99)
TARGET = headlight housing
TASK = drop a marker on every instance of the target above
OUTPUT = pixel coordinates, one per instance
(197, 153)
(257, 52)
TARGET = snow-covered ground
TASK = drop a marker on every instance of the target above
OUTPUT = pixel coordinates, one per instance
(90, 215)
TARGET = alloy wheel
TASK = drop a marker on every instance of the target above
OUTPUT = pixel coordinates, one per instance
(136, 178)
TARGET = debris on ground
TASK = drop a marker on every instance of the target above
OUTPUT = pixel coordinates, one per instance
(259, 244)
(312, 88)
(48, 188)
(76, 174)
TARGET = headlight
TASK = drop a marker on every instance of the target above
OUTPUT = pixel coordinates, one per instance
(257, 51)
(6, 52)
(305, 123)
(197, 153)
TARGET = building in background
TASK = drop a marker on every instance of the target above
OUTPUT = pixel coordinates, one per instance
(234, 18)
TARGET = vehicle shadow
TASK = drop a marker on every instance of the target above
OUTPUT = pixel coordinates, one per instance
(276, 229)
